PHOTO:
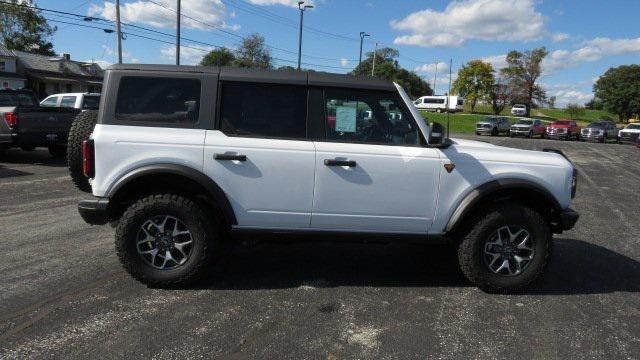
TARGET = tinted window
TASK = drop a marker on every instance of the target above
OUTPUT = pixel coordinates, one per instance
(368, 117)
(91, 102)
(16, 99)
(167, 100)
(50, 102)
(264, 110)
(68, 101)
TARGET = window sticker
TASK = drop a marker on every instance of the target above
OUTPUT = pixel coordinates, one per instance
(345, 119)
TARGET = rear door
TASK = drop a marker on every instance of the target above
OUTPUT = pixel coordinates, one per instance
(373, 174)
(259, 153)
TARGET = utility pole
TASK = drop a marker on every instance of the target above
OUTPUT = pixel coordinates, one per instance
(302, 9)
(373, 68)
(178, 35)
(362, 36)
(449, 97)
(435, 76)
(118, 33)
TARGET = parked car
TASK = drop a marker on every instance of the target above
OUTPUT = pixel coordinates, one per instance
(82, 101)
(629, 134)
(519, 110)
(563, 130)
(600, 131)
(528, 128)
(439, 103)
(24, 124)
(493, 125)
(253, 155)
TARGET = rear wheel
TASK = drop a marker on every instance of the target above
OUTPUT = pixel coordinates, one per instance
(494, 132)
(506, 249)
(80, 131)
(167, 240)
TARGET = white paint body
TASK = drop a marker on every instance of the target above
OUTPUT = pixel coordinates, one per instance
(284, 184)
(57, 98)
(439, 103)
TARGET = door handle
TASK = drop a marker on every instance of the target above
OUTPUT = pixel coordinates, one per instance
(230, 157)
(336, 162)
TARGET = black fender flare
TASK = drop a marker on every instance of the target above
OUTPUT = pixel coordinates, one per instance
(487, 189)
(212, 188)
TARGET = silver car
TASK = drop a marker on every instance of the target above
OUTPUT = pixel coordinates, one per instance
(600, 131)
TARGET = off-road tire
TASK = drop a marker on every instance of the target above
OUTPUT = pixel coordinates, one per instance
(470, 249)
(205, 232)
(58, 151)
(81, 129)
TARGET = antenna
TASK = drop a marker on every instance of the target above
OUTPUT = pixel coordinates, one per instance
(448, 98)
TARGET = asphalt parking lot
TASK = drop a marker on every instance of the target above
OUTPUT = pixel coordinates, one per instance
(64, 295)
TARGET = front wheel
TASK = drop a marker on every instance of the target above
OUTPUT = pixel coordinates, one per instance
(167, 240)
(506, 249)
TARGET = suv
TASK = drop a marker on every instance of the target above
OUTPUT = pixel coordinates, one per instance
(493, 125)
(519, 110)
(528, 128)
(600, 131)
(184, 158)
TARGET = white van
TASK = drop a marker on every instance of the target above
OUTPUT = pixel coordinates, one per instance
(439, 103)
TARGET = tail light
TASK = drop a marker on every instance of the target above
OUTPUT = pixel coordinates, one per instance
(11, 119)
(88, 164)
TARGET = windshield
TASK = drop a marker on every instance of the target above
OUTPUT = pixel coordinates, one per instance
(91, 102)
(634, 127)
(562, 122)
(524, 122)
(490, 119)
(16, 99)
(422, 123)
(597, 125)
(518, 106)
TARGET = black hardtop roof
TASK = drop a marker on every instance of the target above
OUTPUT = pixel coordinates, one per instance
(312, 78)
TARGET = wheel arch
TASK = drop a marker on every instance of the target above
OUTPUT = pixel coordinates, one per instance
(187, 180)
(521, 191)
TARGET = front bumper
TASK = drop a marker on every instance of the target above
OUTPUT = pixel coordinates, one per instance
(484, 130)
(590, 136)
(95, 211)
(568, 218)
(557, 135)
(519, 131)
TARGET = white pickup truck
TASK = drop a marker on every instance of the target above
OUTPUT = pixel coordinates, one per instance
(185, 158)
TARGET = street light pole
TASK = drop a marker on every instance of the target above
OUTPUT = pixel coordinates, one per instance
(118, 33)
(435, 76)
(302, 9)
(373, 68)
(178, 34)
(362, 36)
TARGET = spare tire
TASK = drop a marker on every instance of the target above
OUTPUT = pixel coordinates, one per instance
(80, 131)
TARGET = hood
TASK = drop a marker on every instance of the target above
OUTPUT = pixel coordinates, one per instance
(488, 152)
(631, 131)
(472, 143)
(558, 126)
(522, 125)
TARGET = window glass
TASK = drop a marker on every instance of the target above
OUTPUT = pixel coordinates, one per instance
(26, 100)
(50, 102)
(68, 101)
(368, 117)
(167, 100)
(90, 102)
(264, 110)
(16, 99)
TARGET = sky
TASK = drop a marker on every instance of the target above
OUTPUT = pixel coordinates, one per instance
(584, 37)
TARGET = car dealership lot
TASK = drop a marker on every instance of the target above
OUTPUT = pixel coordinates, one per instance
(64, 293)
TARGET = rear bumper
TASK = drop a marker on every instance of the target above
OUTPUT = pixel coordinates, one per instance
(94, 211)
(567, 219)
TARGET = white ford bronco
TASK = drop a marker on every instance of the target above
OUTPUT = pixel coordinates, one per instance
(182, 159)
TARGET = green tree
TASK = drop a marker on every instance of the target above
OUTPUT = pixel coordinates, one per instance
(499, 96)
(619, 91)
(253, 53)
(475, 81)
(522, 71)
(387, 67)
(218, 57)
(24, 28)
(574, 111)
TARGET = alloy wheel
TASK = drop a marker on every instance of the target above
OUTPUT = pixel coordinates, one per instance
(164, 242)
(509, 250)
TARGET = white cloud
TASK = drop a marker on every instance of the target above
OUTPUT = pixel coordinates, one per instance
(209, 12)
(291, 3)
(431, 68)
(491, 20)
(344, 62)
(559, 37)
(564, 97)
(127, 57)
(592, 50)
(498, 61)
(188, 55)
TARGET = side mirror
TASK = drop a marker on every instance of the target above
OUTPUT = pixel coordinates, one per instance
(436, 135)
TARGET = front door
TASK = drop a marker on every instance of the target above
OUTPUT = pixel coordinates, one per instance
(372, 172)
(260, 155)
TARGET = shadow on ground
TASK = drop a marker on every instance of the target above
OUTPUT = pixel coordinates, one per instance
(577, 267)
(40, 156)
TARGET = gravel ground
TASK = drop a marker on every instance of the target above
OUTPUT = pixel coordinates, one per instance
(64, 294)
